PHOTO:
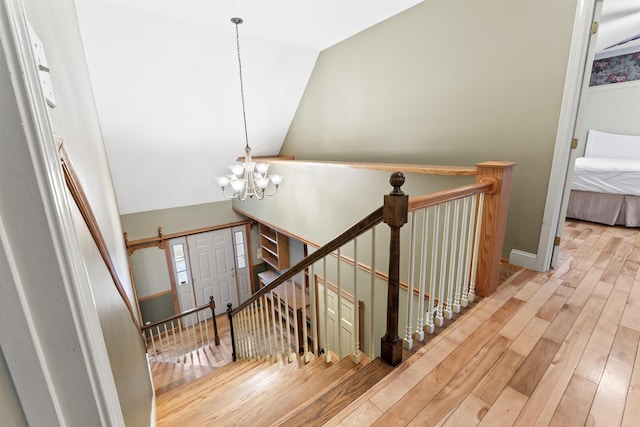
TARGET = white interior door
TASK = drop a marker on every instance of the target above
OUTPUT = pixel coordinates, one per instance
(242, 262)
(213, 269)
(343, 330)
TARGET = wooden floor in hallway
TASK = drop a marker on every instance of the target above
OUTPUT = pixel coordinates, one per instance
(556, 348)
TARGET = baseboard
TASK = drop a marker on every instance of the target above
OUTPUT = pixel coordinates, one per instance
(524, 259)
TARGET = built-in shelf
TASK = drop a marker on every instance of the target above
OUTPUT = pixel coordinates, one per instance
(274, 247)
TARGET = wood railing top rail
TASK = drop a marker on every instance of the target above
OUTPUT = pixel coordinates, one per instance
(175, 317)
(421, 202)
(354, 231)
(390, 167)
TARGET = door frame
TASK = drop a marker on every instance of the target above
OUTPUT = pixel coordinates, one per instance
(185, 234)
(576, 68)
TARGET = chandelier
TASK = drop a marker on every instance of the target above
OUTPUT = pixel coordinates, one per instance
(248, 179)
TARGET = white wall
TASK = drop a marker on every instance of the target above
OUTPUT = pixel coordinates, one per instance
(168, 95)
(613, 108)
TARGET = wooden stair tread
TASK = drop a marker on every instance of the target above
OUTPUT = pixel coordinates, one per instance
(322, 409)
(169, 375)
(292, 392)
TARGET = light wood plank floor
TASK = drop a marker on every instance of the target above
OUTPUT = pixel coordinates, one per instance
(556, 348)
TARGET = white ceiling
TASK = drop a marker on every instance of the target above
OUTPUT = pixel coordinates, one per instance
(619, 20)
(166, 85)
(165, 79)
(315, 24)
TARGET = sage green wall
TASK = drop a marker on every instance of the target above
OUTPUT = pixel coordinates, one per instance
(446, 82)
(150, 271)
(319, 201)
(177, 220)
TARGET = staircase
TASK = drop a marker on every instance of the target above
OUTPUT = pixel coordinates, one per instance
(455, 239)
(252, 392)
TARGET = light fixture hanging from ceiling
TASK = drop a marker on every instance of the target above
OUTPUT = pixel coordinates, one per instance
(249, 178)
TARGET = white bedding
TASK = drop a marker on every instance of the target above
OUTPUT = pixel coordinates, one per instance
(613, 176)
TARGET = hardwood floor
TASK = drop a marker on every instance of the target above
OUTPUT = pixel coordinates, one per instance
(556, 348)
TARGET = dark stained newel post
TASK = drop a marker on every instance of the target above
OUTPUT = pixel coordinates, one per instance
(233, 339)
(395, 212)
(212, 306)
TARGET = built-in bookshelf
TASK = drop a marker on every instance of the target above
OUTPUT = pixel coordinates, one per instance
(275, 247)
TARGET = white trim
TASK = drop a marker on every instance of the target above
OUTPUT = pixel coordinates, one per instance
(566, 125)
(75, 288)
(523, 259)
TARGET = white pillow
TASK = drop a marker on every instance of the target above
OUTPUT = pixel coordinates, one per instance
(612, 146)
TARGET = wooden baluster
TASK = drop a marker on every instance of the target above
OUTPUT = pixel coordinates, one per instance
(265, 324)
(453, 258)
(464, 299)
(372, 313)
(408, 337)
(294, 309)
(327, 347)
(339, 297)
(166, 334)
(313, 298)
(212, 305)
(160, 340)
(153, 344)
(181, 337)
(175, 341)
(356, 332)
(419, 334)
(305, 344)
(494, 223)
(275, 325)
(233, 339)
(471, 295)
(462, 259)
(429, 324)
(395, 211)
(442, 281)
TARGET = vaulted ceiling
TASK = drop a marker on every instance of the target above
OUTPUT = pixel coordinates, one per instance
(165, 78)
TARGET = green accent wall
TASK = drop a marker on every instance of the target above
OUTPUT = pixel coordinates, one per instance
(446, 82)
(158, 308)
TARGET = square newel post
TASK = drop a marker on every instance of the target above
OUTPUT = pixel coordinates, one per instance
(395, 212)
(494, 221)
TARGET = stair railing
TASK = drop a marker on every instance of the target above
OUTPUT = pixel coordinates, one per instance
(175, 338)
(461, 243)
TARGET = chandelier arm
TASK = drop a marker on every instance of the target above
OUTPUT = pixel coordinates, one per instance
(233, 195)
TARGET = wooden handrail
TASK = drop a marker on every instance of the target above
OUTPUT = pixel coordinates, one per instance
(211, 305)
(359, 228)
(422, 202)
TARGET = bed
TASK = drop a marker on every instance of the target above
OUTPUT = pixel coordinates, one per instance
(606, 181)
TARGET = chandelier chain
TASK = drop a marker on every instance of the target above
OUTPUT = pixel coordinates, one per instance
(244, 114)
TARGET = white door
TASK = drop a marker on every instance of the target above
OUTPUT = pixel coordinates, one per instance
(242, 262)
(213, 269)
(344, 330)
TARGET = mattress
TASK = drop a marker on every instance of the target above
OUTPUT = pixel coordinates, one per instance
(612, 176)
